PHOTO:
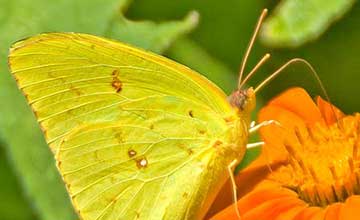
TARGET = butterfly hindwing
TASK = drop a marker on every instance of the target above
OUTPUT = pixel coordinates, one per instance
(130, 169)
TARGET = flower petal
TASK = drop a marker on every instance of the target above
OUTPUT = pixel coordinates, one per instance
(275, 135)
(246, 180)
(274, 208)
(254, 174)
(332, 212)
(298, 101)
(311, 213)
(255, 199)
(267, 190)
(291, 213)
(351, 209)
(330, 113)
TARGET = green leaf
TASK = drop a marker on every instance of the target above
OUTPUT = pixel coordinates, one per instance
(250, 156)
(156, 37)
(12, 199)
(296, 22)
(190, 53)
(30, 156)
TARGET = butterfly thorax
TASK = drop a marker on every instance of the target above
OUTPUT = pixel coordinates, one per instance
(243, 101)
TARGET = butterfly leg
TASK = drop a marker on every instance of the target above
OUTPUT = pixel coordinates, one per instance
(231, 167)
(256, 144)
(254, 127)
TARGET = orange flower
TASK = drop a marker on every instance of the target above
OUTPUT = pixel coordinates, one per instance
(309, 168)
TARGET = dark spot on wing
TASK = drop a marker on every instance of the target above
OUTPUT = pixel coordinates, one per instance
(44, 131)
(116, 83)
(191, 113)
(141, 163)
(115, 73)
(201, 131)
(16, 79)
(119, 137)
(229, 119)
(114, 199)
(217, 143)
(185, 148)
(189, 151)
(131, 153)
(96, 154)
(76, 90)
(113, 179)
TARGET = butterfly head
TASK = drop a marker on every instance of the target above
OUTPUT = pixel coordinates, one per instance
(243, 99)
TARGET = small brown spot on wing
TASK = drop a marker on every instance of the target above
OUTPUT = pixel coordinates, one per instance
(229, 118)
(115, 73)
(116, 83)
(142, 163)
(185, 148)
(44, 131)
(96, 154)
(201, 131)
(190, 151)
(131, 153)
(119, 137)
(217, 143)
(76, 90)
(113, 179)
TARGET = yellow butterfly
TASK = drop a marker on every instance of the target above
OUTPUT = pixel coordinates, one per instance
(136, 135)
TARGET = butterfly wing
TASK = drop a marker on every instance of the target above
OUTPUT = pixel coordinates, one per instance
(164, 165)
(136, 135)
(71, 79)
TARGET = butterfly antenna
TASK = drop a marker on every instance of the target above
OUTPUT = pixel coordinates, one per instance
(251, 43)
(295, 60)
(314, 74)
(258, 65)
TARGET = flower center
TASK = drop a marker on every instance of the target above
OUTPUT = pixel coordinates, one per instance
(323, 162)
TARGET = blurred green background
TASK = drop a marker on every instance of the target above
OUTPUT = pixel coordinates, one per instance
(214, 44)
